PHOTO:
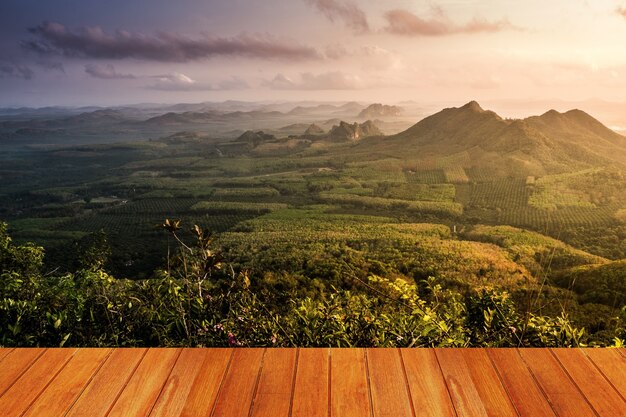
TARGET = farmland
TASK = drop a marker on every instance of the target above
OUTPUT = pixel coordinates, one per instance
(126, 189)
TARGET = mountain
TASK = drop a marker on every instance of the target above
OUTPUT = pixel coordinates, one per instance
(347, 109)
(255, 138)
(105, 117)
(313, 130)
(319, 109)
(551, 143)
(355, 131)
(172, 118)
(380, 110)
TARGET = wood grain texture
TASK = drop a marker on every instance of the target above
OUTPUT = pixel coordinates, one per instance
(426, 384)
(602, 396)
(612, 365)
(178, 385)
(4, 352)
(390, 396)
(107, 384)
(205, 387)
(349, 390)
(566, 399)
(144, 387)
(274, 391)
(14, 364)
(66, 387)
(238, 388)
(312, 382)
(488, 384)
(465, 397)
(520, 384)
(32, 382)
(310, 397)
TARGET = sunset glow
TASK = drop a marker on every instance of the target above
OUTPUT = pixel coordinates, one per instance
(117, 52)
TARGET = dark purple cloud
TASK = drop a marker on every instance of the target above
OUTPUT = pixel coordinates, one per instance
(51, 65)
(93, 42)
(106, 72)
(403, 22)
(9, 70)
(343, 10)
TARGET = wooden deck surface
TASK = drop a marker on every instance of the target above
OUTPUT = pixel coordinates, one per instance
(312, 382)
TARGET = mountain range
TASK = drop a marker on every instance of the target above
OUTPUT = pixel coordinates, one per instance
(551, 143)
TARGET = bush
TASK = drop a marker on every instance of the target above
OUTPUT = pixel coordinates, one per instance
(198, 301)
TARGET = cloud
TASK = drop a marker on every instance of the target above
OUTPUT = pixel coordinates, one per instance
(403, 22)
(621, 11)
(106, 72)
(234, 83)
(8, 70)
(93, 42)
(326, 81)
(343, 10)
(336, 51)
(173, 82)
(181, 82)
(51, 66)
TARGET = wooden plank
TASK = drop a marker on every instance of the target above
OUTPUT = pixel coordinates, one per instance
(15, 363)
(65, 388)
(144, 387)
(235, 397)
(349, 390)
(390, 395)
(32, 382)
(106, 386)
(612, 364)
(311, 390)
(177, 387)
(463, 392)
(560, 391)
(274, 391)
(488, 384)
(520, 384)
(598, 391)
(4, 352)
(206, 385)
(428, 389)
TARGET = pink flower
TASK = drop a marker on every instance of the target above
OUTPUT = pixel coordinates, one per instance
(231, 340)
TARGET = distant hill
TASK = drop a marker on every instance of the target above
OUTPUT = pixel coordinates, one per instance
(355, 131)
(380, 110)
(551, 143)
(255, 138)
(104, 117)
(314, 130)
(209, 117)
(348, 109)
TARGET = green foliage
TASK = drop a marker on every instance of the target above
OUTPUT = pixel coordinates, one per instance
(443, 208)
(200, 301)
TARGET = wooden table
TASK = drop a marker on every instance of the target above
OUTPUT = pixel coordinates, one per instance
(312, 382)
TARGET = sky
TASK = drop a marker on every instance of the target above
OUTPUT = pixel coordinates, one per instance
(116, 52)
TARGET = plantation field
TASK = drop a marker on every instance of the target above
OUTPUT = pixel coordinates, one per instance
(125, 190)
